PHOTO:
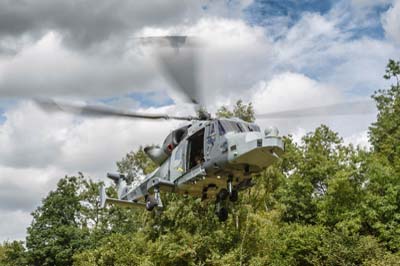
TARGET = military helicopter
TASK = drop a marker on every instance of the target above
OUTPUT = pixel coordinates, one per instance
(210, 158)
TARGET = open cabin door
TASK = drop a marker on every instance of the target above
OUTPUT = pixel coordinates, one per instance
(195, 150)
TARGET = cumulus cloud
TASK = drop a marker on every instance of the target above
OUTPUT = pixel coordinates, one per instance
(103, 25)
(13, 224)
(85, 23)
(82, 144)
(22, 188)
(290, 90)
(359, 139)
(47, 69)
(293, 91)
(391, 22)
(370, 3)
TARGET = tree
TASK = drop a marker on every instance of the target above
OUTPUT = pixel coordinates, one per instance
(316, 162)
(382, 167)
(384, 134)
(57, 231)
(13, 254)
(240, 110)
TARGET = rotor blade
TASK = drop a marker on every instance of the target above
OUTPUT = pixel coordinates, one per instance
(179, 65)
(52, 106)
(346, 108)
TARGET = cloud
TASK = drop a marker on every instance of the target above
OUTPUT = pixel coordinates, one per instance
(293, 91)
(104, 24)
(75, 144)
(235, 55)
(29, 138)
(391, 22)
(85, 24)
(369, 3)
(13, 224)
(48, 69)
(22, 188)
(360, 139)
(290, 90)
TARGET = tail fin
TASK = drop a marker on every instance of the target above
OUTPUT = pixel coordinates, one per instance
(120, 182)
(103, 196)
(123, 203)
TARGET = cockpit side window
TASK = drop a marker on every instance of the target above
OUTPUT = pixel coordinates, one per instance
(232, 126)
(212, 129)
(221, 129)
(243, 127)
(256, 128)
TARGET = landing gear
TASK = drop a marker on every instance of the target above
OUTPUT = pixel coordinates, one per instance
(221, 211)
(222, 214)
(223, 195)
(233, 193)
(234, 196)
(153, 201)
(150, 203)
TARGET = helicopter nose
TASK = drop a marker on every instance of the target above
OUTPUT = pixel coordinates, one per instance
(255, 148)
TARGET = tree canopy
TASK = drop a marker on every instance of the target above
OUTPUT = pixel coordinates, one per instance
(324, 203)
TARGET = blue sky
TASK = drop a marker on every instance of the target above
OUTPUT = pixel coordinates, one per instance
(261, 12)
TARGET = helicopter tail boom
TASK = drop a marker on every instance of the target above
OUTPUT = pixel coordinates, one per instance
(122, 203)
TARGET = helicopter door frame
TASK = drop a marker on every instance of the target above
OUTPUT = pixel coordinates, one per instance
(177, 165)
(210, 138)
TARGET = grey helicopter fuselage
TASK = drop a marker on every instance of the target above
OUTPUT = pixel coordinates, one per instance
(204, 157)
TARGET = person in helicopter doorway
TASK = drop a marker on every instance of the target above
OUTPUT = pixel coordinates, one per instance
(199, 159)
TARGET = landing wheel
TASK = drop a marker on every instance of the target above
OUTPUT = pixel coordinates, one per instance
(234, 196)
(223, 194)
(150, 203)
(222, 214)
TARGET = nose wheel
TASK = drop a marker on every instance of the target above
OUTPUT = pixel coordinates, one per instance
(222, 214)
(234, 196)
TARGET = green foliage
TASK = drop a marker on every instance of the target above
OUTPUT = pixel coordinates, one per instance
(324, 203)
(13, 254)
(58, 230)
(385, 132)
(382, 167)
(240, 110)
(319, 164)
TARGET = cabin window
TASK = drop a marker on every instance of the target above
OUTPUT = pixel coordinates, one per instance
(212, 129)
(221, 128)
(230, 126)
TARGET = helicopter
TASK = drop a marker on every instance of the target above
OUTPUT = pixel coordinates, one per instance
(208, 158)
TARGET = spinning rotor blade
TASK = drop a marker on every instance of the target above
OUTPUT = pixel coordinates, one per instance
(52, 106)
(179, 64)
(346, 108)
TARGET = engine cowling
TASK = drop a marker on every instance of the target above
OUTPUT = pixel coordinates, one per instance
(160, 154)
(156, 154)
